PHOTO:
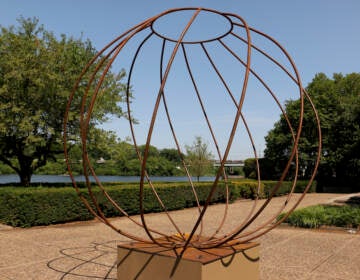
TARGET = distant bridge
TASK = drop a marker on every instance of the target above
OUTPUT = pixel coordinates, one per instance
(229, 163)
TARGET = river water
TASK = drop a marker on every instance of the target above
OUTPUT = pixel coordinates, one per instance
(14, 178)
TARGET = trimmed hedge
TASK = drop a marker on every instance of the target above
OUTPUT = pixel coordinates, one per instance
(26, 207)
(286, 186)
(247, 189)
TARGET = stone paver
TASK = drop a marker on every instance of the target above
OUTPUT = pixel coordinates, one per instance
(87, 250)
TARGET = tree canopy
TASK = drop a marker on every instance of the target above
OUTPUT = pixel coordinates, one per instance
(337, 101)
(199, 158)
(37, 73)
(113, 156)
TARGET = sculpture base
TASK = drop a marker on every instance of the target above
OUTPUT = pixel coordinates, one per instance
(143, 261)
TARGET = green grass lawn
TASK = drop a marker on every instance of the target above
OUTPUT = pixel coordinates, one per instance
(325, 215)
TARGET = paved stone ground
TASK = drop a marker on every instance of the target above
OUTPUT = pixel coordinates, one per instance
(87, 250)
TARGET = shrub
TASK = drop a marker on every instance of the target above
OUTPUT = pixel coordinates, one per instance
(250, 168)
(328, 215)
(248, 189)
(286, 186)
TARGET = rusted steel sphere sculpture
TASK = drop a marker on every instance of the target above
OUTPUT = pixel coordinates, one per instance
(173, 48)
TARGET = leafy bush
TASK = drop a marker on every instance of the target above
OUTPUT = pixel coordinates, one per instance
(286, 186)
(248, 189)
(328, 215)
(250, 168)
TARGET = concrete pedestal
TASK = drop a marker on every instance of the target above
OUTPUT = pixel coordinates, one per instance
(143, 261)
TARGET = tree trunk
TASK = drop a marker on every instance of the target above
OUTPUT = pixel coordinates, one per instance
(25, 178)
(26, 171)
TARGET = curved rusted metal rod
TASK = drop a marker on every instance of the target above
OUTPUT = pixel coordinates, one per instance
(212, 135)
(156, 107)
(274, 61)
(85, 123)
(134, 138)
(286, 169)
(164, 208)
(227, 150)
(176, 139)
(317, 162)
(298, 82)
(268, 89)
(84, 129)
(243, 121)
(99, 213)
(278, 64)
(259, 211)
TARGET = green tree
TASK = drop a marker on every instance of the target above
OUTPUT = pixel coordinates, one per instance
(199, 158)
(37, 73)
(171, 155)
(337, 101)
(159, 163)
(250, 168)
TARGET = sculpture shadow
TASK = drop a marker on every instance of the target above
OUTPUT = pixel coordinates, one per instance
(96, 261)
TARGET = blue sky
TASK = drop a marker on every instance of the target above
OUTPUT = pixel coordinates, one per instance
(320, 36)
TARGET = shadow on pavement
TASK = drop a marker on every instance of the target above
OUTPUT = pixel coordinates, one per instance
(97, 261)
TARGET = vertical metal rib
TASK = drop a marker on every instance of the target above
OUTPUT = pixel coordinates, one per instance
(175, 137)
(152, 123)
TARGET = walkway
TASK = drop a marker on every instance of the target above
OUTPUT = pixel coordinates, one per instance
(87, 250)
